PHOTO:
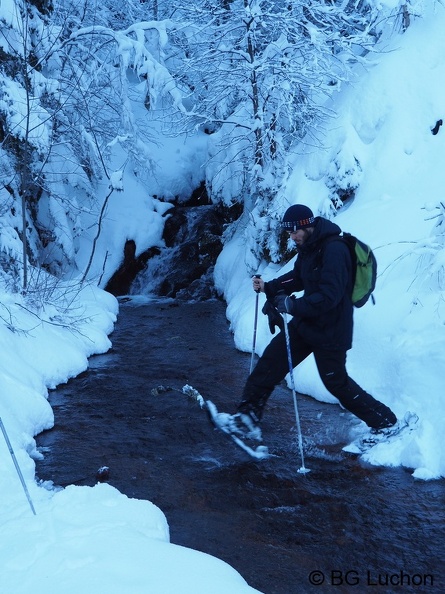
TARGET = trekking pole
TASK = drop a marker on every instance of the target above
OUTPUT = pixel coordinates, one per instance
(303, 469)
(255, 324)
(16, 464)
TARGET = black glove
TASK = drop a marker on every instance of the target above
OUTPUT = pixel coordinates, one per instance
(284, 303)
(280, 302)
(274, 317)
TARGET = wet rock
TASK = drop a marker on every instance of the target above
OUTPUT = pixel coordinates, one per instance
(184, 268)
(193, 242)
(120, 282)
(103, 474)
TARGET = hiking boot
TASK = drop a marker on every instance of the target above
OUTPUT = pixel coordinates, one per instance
(244, 426)
(408, 422)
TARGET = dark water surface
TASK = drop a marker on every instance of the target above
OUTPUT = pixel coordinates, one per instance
(345, 527)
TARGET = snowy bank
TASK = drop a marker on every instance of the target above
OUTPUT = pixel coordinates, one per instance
(94, 539)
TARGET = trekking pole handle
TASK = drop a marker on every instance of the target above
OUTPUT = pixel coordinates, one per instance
(257, 276)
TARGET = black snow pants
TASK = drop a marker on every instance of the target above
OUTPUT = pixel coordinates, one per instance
(273, 366)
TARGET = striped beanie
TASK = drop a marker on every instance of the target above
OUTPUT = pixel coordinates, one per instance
(297, 217)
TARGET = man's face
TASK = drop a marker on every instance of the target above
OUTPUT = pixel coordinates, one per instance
(300, 236)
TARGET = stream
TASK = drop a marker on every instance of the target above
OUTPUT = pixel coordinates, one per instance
(343, 527)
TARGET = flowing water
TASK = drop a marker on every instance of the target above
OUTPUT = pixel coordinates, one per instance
(344, 527)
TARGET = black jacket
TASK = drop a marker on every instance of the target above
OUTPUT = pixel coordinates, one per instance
(323, 270)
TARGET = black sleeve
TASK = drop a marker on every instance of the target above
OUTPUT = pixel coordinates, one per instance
(289, 283)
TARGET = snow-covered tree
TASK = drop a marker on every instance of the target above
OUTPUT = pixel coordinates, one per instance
(24, 125)
(257, 74)
(71, 75)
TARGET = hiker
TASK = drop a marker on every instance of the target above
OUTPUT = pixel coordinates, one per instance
(321, 324)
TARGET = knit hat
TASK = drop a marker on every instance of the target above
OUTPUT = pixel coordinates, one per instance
(297, 217)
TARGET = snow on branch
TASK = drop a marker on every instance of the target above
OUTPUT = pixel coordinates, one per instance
(133, 52)
(25, 116)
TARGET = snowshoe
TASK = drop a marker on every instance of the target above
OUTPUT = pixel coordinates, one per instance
(241, 429)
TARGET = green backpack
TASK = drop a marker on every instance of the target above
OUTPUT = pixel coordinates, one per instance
(364, 266)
